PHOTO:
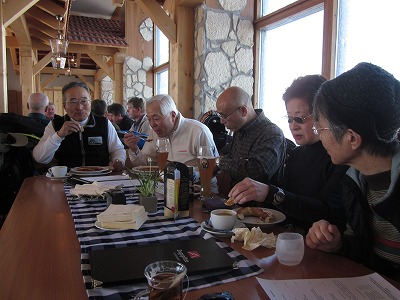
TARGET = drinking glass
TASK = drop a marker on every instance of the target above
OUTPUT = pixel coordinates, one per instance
(165, 280)
(206, 158)
(290, 248)
(162, 149)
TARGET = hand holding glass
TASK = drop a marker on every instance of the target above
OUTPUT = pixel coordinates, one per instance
(206, 168)
(290, 248)
(162, 149)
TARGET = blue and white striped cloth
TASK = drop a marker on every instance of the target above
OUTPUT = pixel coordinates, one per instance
(157, 229)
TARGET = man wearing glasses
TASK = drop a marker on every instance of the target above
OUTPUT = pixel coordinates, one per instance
(258, 146)
(80, 138)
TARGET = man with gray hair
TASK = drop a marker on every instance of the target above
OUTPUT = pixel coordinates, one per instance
(37, 105)
(185, 135)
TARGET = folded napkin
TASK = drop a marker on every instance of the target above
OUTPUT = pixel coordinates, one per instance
(254, 238)
(92, 189)
(118, 216)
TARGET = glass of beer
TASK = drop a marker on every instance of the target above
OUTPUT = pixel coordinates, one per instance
(165, 280)
(206, 156)
(162, 148)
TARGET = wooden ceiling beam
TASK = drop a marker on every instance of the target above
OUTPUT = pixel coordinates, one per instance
(33, 22)
(190, 3)
(52, 8)
(75, 48)
(98, 59)
(42, 63)
(85, 72)
(44, 17)
(12, 10)
(88, 83)
(40, 36)
(47, 81)
(153, 9)
(21, 31)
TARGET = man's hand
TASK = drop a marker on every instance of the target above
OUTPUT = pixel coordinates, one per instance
(116, 164)
(68, 128)
(324, 236)
(131, 141)
(248, 190)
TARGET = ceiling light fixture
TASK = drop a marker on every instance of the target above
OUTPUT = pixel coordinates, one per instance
(59, 47)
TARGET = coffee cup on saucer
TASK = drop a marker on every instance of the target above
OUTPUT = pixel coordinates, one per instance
(223, 219)
(58, 171)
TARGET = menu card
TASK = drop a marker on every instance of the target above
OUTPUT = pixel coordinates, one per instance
(372, 286)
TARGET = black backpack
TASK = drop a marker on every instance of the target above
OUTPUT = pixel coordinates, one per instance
(218, 130)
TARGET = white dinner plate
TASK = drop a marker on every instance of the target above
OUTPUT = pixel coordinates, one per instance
(144, 169)
(108, 171)
(250, 220)
(89, 169)
(48, 175)
(98, 225)
(220, 234)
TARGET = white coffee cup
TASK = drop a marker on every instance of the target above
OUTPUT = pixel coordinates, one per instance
(290, 248)
(58, 171)
(223, 219)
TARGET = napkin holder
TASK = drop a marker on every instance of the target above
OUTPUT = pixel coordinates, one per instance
(176, 190)
(115, 196)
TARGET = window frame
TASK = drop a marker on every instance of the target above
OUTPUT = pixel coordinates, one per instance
(164, 66)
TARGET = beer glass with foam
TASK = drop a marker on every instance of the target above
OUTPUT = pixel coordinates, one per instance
(162, 148)
(206, 156)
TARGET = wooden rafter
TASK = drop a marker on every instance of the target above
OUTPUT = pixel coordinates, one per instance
(12, 10)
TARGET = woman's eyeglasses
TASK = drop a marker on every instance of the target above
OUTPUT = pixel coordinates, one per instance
(317, 131)
(298, 120)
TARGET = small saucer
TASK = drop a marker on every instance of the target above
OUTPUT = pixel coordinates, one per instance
(48, 175)
(221, 234)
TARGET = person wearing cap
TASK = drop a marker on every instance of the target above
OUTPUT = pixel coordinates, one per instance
(137, 111)
(311, 188)
(37, 106)
(357, 117)
(116, 113)
(80, 138)
(258, 146)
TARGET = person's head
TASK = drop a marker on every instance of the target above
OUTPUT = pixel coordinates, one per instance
(358, 112)
(99, 108)
(234, 108)
(116, 112)
(299, 98)
(136, 108)
(162, 114)
(37, 103)
(50, 111)
(76, 100)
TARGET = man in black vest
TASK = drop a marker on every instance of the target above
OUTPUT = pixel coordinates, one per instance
(80, 138)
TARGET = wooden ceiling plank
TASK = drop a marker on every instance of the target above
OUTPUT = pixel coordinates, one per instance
(40, 36)
(159, 17)
(190, 3)
(47, 81)
(98, 59)
(44, 17)
(42, 63)
(12, 10)
(33, 22)
(52, 8)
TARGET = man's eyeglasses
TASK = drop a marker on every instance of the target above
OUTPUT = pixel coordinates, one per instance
(76, 102)
(298, 120)
(317, 131)
(224, 116)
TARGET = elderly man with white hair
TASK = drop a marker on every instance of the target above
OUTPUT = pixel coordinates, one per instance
(37, 106)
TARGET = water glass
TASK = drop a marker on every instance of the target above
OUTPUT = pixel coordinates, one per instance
(290, 248)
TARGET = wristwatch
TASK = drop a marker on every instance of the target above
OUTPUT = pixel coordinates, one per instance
(279, 197)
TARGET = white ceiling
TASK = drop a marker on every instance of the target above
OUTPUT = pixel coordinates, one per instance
(93, 8)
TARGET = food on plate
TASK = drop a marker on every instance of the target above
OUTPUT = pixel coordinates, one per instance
(230, 202)
(264, 216)
(89, 169)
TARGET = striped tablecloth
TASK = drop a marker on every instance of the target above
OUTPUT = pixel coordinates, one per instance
(157, 229)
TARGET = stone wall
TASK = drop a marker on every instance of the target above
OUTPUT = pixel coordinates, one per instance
(223, 53)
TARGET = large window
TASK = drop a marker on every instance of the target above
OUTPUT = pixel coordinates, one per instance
(296, 38)
(288, 49)
(161, 66)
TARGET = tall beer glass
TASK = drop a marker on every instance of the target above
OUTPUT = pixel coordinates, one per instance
(206, 167)
(162, 148)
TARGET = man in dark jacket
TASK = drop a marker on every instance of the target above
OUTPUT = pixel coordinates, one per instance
(357, 116)
(116, 113)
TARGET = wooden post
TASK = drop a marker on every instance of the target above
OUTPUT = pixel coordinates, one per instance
(3, 65)
(26, 76)
(118, 77)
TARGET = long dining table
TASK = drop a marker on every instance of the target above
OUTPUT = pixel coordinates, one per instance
(40, 256)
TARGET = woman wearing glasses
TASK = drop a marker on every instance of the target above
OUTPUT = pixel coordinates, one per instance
(310, 189)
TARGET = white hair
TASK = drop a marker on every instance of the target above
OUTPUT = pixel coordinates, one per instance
(166, 103)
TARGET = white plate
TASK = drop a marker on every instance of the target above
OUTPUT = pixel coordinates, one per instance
(48, 175)
(237, 225)
(279, 217)
(89, 169)
(98, 225)
(92, 174)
